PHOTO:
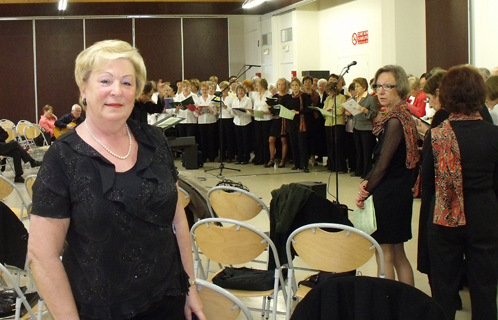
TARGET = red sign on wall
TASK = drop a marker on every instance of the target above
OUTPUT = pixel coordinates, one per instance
(359, 37)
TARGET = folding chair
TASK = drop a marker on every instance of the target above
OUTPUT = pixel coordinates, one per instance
(21, 125)
(6, 188)
(219, 303)
(235, 243)
(341, 251)
(234, 203)
(30, 133)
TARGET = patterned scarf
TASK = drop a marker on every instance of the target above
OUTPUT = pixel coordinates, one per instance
(400, 112)
(449, 208)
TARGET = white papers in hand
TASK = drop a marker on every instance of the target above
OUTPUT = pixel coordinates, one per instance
(352, 106)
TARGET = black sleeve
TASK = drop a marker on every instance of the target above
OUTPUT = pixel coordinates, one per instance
(151, 107)
(391, 139)
(63, 121)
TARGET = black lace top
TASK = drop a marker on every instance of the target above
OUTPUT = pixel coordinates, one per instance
(121, 253)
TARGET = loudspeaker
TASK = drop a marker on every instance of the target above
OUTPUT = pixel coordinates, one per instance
(190, 158)
(319, 187)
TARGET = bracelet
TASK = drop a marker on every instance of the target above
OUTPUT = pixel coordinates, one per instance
(192, 282)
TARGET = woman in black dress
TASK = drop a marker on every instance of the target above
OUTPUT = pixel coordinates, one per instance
(106, 199)
(389, 182)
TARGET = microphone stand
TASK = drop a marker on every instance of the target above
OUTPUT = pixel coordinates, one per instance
(336, 155)
(219, 94)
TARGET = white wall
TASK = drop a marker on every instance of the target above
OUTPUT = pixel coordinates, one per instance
(483, 33)
(322, 38)
(236, 44)
(410, 36)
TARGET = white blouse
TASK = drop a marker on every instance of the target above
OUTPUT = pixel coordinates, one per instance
(189, 116)
(206, 118)
(242, 118)
(226, 113)
(260, 104)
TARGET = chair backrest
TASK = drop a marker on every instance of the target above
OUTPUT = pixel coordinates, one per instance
(340, 251)
(234, 203)
(12, 134)
(5, 123)
(28, 183)
(219, 303)
(234, 243)
(21, 125)
(31, 131)
(184, 196)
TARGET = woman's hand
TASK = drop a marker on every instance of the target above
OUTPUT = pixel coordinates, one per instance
(193, 305)
(362, 194)
(347, 112)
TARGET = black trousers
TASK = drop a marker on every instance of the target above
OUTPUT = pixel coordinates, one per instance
(262, 144)
(228, 139)
(330, 133)
(243, 134)
(299, 144)
(364, 142)
(17, 153)
(447, 249)
(207, 140)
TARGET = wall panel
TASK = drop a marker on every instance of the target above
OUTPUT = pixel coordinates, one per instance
(105, 29)
(58, 42)
(159, 42)
(17, 97)
(446, 33)
(205, 48)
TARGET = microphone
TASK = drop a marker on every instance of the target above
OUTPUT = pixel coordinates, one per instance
(352, 64)
(253, 65)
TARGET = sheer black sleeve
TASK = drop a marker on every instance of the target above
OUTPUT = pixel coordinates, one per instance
(391, 139)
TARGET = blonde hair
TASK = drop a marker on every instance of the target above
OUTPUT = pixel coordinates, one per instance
(108, 50)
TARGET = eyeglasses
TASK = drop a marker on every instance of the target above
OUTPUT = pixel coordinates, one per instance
(386, 87)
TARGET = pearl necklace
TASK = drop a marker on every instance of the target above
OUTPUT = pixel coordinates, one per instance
(109, 150)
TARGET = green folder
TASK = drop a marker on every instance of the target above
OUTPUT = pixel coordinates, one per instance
(183, 103)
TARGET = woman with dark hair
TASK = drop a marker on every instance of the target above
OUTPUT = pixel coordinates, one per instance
(364, 140)
(395, 157)
(298, 127)
(460, 180)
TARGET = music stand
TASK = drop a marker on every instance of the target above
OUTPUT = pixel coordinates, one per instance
(219, 94)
